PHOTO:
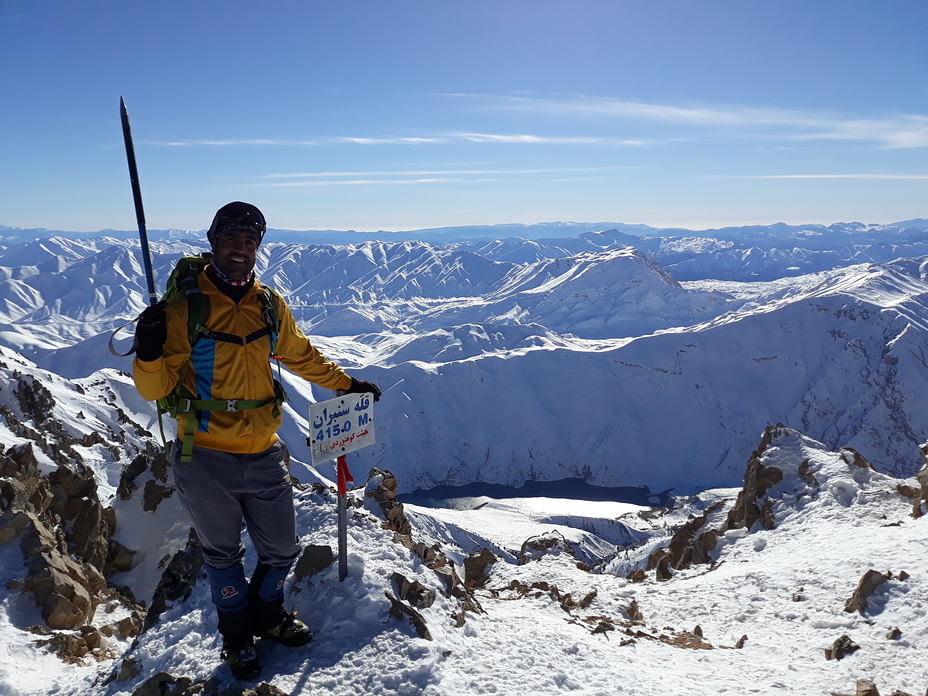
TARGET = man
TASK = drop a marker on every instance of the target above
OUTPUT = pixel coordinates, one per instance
(236, 468)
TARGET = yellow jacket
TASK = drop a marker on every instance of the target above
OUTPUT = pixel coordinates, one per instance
(224, 370)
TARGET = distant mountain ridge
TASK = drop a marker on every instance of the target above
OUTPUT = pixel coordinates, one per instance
(456, 233)
(747, 253)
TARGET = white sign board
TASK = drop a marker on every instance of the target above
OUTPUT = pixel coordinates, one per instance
(340, 425)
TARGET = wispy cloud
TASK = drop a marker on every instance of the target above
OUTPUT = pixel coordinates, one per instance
(395, 140)
(595, 117)
(448, 138)
(904, 131)
(429, 176)
(442, 172)
(233, 142)
(895, 131)
(368, 182)
(544, 140)
(900, 177)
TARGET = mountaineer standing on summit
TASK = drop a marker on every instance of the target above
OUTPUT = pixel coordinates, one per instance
(207, 353)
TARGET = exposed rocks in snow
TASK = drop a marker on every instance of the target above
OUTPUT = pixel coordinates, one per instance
(156, 489)
(75, 646)
(66, 433)
(871, 580)
(314, 559)
(35, 401)
(842, 647)
(855, 458)
(413, 592)
(686, 547)
(694, 542)
(400, 610)
(129, 669)
(768, 481)
(757, 479)
(381, 487)
(163, 684)
(66, 590)
(178, 579)
(63, 533)
(540, 587)
(865, 687)
(475, 568)
(919, 495)
(548, 543)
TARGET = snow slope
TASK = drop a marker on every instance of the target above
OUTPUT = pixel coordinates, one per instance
(783, 588)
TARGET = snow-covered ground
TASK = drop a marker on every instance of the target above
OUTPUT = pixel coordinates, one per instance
(783, 588)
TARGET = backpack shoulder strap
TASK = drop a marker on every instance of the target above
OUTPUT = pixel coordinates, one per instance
(184, 283)
(271, 313)
(197, 311)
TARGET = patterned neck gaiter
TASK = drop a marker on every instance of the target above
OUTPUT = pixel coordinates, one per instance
(226, 279)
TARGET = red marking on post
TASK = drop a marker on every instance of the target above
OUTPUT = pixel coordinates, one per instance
(344, 476)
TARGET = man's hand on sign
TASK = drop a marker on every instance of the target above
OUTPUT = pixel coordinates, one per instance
(359, 387)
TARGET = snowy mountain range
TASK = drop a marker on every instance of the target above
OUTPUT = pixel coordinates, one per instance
(556, 364)
(649, 363)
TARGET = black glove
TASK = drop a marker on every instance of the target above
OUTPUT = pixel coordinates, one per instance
(151, 332)
(359, 387)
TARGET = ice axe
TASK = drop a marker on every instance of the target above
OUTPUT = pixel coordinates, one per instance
(137, 197)
(140, 218)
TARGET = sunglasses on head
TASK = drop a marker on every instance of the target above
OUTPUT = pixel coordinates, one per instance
(237, 214)
(249, 216)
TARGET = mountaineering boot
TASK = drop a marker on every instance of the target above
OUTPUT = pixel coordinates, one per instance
(242, 659)
(266, 607)
(270, 621)
(290, 632)
(238, 645)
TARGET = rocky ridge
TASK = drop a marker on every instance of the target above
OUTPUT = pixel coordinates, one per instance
(53, 508)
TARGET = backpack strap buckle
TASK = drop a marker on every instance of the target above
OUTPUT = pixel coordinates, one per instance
(231, 404)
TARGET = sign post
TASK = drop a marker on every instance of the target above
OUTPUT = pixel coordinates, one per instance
(339, 426)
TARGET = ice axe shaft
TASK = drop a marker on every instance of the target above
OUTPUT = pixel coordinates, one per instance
(137, 197)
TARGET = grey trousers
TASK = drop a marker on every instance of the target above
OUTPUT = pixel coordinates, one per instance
(221, 489)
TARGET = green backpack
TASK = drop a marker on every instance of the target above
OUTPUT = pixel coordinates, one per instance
(182, 283)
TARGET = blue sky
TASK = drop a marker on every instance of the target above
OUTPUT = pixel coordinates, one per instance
(400, 114)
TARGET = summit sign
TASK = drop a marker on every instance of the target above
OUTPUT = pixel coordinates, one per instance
(340, 425)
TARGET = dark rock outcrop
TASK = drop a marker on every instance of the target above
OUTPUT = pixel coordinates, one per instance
(871, 580)
(382, 487)
(686, 547)
(314, 559)
(413, 592)
(841, 648)
(475, 568)
(535, 547)
(400, 610)
(178, 579)
(919, 495)
(757, 480)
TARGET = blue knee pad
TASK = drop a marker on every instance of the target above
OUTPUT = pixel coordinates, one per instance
(228, 587)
